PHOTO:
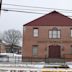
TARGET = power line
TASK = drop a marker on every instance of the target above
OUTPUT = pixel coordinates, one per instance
(26, 6)
(29, 10)
(22, 11)
(35, 7)
(45, 8)
(26, 12)
(26, 9)
(35, 10)
(32, 9)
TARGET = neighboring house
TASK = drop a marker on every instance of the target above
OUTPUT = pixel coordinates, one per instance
(2, 47)
(16, 49)
(8, 54)
(5, 48)
(49, 36)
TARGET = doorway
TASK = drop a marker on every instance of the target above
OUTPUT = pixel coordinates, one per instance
(54, 51)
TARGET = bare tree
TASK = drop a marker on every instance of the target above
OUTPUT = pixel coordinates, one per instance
(12, 37)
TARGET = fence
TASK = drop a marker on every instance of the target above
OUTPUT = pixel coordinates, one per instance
(46, 60)
(34, 59)
(8, 57)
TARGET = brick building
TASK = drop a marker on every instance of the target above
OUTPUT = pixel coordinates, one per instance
(49, 36)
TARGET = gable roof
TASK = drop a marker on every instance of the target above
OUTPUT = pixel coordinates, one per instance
(51, 19)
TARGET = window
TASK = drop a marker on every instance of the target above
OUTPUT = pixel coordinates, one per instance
(54, 33)
(35, 32)
(59, 34)
(35, 50)
(71, 32)
(50, 34)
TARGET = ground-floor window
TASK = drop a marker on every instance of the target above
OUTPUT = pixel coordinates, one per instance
(35, 50)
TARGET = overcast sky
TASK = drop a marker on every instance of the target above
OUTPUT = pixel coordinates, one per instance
(15, 20)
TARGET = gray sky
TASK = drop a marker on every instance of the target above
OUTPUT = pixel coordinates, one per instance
(15, 20)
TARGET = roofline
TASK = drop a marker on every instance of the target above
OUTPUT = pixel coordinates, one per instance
(44, 16)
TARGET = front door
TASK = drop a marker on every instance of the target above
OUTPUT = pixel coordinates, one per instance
(54, 51)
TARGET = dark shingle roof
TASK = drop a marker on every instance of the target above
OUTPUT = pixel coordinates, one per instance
(51, 19)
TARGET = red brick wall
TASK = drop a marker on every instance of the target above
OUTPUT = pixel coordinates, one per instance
(43, 40)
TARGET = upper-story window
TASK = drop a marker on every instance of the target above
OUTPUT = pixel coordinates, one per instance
(54, 33)
(35, 32)
(71, 32)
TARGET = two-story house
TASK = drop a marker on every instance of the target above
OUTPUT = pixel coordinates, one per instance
(49, 36)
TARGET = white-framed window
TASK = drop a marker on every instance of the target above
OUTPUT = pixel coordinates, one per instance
(35, 32)
(59, 34)
(54, 33)
(50, 34)
(34, 50)
(71, 32)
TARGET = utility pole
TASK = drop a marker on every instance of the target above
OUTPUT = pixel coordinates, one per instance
(0, 5)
